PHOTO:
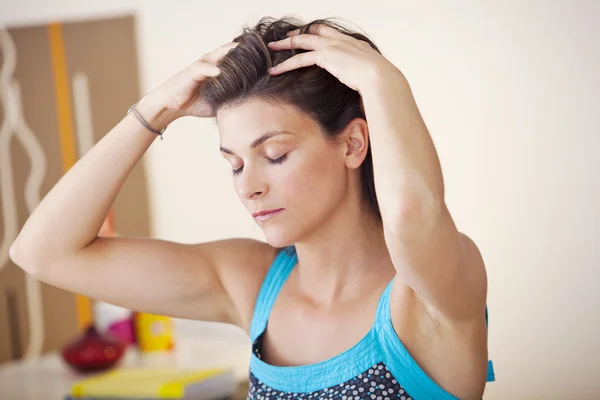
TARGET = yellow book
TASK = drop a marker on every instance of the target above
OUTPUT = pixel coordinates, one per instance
(150, 383)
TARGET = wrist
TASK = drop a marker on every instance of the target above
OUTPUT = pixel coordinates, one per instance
(383, 79)
(155, 112)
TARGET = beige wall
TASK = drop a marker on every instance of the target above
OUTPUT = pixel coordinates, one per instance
(510, 92)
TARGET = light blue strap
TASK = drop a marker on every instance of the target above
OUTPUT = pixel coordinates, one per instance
(383, 309)
(280, 269)
(491, 376)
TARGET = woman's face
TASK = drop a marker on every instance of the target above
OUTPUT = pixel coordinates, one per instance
(288, 176)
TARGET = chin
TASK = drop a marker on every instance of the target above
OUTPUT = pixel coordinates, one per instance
(279, 237)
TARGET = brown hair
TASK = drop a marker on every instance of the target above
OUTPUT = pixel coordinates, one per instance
(311, 90)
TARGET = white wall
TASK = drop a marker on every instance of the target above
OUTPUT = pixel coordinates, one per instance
(510, 93)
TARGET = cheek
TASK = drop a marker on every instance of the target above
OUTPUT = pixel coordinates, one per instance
(291, 184)
(313, 178)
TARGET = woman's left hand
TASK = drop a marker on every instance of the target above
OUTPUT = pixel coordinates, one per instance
(354, 62)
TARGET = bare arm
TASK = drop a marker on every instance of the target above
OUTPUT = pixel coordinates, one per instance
(215, 281)
(192, 281)
(442, 265)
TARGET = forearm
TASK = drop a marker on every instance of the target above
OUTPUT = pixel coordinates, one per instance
(71, 214)
(406, 167)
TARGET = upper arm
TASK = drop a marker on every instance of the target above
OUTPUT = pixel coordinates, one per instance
(442, 265)
(211, 281)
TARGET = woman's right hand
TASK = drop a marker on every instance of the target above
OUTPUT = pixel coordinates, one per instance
(181, 95)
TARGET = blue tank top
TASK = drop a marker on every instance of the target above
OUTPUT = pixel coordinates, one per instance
(378, 367)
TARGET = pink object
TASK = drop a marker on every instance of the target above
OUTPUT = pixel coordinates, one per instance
(122, 330)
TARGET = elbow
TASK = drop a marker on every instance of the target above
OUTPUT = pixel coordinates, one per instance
(24, 256)
(15, 253)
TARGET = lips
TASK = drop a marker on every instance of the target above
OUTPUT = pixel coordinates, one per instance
(264, 215)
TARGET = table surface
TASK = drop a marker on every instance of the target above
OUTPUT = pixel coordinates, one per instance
(49, 378)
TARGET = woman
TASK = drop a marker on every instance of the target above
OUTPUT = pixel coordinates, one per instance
(369, 289)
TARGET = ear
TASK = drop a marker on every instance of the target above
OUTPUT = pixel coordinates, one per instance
(356, 141)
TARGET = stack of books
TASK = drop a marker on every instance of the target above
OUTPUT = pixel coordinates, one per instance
(154, 384)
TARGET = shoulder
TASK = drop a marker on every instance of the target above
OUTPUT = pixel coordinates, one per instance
(474, 274)
(470, 247)
(474, 265)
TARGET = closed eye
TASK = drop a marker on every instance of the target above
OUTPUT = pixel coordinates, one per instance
(275, 161)
(237, 171)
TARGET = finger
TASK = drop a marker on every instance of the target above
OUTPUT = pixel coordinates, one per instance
(305, 41)
(298, 61)
(322, 30)
(203, 69)
(216, 55)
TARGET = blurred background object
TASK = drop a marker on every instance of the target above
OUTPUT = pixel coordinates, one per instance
(63, 86)
(93, 351)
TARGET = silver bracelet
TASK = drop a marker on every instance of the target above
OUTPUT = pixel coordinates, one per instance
(144, 122)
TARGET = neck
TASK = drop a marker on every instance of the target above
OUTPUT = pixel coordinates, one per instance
(343, 256)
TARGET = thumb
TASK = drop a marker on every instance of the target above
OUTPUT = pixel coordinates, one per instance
(202, 69)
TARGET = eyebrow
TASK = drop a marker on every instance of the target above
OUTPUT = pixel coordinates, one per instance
(256, 143)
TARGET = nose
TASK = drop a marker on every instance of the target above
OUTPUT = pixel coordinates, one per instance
(251, 184)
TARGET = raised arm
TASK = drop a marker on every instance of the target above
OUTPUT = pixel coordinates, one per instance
(441, 265)
(193, 281)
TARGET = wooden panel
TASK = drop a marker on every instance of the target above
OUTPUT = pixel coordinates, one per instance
(104, 52)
